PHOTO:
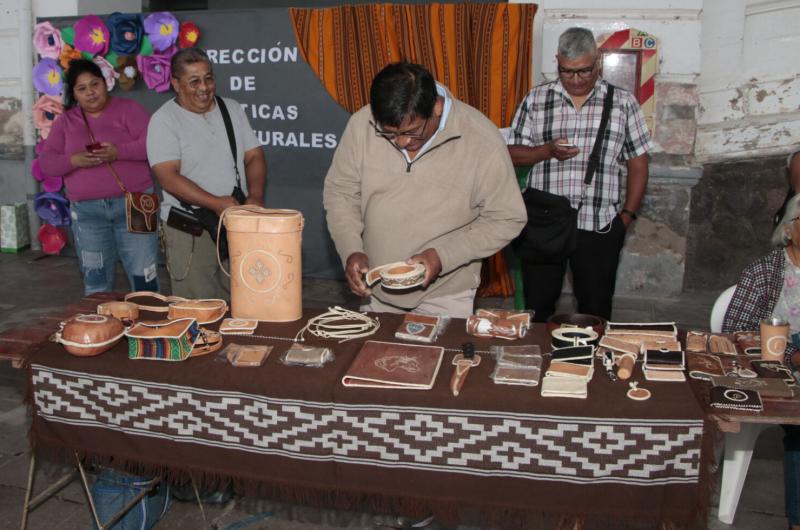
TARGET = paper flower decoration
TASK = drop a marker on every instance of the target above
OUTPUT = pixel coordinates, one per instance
(108, 72)
(47, 77)
(68, 53)
(128, 71)
(53, 239)
(51, 184)
(189, 35)
(47, 40)
(45, 111)
(125, 33)
(156, 70)
(162, 29)
(91, 35)
(52, 208)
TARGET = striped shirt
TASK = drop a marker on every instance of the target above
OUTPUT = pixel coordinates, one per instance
(547, 113)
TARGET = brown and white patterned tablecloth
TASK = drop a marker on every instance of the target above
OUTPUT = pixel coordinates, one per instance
(301, 433)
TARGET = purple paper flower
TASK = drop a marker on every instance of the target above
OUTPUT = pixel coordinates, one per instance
(47, 77)
(155, 69)
(162, 29)
(125, 32)
(51, 184)
(47, 40)
(109, 74)
(91, 35)
(45, 111)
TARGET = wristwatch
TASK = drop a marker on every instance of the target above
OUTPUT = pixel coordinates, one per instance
(631, 214)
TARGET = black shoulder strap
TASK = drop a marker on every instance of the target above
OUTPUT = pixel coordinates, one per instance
(594, 158)
(226, 117)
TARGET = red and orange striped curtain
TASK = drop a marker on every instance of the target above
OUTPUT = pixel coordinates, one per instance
(481, 52)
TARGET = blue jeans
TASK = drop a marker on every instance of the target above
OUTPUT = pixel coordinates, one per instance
(791, 472)
(101, 237)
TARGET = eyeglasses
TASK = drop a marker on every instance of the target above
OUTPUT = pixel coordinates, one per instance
(195, 82)
(583, 73)
(392, 136)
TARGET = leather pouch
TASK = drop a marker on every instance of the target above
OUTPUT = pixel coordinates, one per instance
(184, 221)
(205, 311)
(570, 370)
(163, 341)
(141, 212)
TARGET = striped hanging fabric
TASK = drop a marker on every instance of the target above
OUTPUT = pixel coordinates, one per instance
(480, 52)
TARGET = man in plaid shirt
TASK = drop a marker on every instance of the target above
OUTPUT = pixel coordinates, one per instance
(554, 131)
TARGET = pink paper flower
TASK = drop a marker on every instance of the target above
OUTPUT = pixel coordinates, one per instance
(45, 111)
(155, 69)
(51, 184)
(91, 35)
(109, 74)
(47, 40)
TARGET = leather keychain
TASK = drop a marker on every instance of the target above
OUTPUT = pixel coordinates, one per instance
(463, 362)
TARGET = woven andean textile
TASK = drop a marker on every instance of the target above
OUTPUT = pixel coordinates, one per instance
(496, 448)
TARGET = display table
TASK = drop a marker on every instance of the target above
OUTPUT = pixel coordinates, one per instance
(741, 430)
(496, 452)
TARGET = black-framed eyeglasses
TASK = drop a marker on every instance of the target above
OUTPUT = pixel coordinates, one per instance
(583, 73)
(392, 136)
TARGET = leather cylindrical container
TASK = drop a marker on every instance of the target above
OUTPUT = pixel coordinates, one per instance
(774, 336)
(626, 364)
(265, 263)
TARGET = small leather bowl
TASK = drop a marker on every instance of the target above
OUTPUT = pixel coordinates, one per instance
(579, 320)
(87, 335)
(564, 337)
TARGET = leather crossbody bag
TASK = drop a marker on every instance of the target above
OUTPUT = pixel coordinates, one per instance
(551, 231)
(195, 219)
(141, 208)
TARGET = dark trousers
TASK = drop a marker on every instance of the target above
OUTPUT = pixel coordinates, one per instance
(594, 274)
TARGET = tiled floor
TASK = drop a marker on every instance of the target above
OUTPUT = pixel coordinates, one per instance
(32, 286)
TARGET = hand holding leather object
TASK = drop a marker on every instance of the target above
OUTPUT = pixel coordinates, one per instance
(356, 267)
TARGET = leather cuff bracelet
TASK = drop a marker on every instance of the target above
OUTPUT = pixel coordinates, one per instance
(631, 214)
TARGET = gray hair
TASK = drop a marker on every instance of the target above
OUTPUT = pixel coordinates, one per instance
(575, 43)
(187, 56)
(782, 235)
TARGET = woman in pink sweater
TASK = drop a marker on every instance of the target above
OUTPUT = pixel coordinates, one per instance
(119, 129)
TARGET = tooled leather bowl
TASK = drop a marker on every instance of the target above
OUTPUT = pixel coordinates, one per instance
(581, 320)
(86, 335)
(401, 275)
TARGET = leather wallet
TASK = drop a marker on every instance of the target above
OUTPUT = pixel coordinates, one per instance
(574, 354)
(736, 399)
(184, 221)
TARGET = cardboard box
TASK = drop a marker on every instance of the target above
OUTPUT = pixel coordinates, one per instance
(14, 231)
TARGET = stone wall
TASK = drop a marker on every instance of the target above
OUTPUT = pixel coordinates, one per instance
(730, 221)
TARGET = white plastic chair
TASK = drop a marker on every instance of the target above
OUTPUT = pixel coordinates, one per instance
(719, 309)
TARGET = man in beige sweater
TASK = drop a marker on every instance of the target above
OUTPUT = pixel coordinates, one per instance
(424, 178)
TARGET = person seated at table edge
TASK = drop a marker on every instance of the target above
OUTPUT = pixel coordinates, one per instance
(770, 287)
